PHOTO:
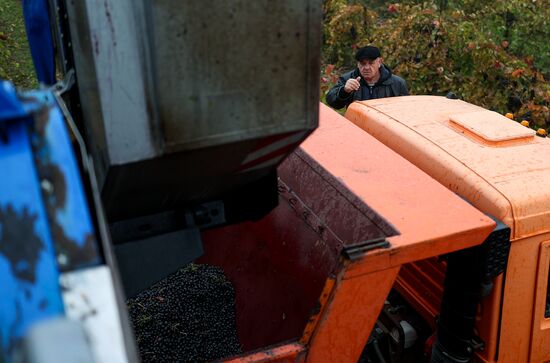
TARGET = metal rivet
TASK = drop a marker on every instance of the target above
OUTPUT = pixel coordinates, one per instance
(47, 186)
(62, 259)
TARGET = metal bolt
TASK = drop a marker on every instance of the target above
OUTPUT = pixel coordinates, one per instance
(62, 259)
(47, 186)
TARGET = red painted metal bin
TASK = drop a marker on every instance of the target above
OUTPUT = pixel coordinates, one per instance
(312, 276)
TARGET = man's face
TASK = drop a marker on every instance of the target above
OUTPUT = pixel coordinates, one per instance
(369, 68)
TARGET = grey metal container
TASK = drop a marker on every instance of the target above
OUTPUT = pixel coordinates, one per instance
(187, 100)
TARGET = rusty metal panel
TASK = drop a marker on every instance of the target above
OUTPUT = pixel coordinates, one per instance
(167, 86)
(237, 70)
(170, 75)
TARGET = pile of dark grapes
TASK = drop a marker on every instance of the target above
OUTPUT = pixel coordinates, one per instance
(187, 317)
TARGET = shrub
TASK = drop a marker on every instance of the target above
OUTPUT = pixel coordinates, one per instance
(474, 50)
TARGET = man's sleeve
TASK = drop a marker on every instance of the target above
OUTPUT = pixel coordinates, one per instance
(338, 98)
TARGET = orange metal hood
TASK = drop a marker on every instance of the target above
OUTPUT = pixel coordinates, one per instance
(495, 163)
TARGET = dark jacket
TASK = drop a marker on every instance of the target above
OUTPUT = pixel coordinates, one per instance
(389, 85)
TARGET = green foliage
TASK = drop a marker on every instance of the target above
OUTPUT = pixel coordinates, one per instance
(15, 60)
(344, 24)
(493, 54)
(523, 25)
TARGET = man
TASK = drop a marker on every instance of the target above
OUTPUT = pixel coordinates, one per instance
(371, 79)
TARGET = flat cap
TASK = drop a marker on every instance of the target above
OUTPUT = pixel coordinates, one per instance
(368, 52)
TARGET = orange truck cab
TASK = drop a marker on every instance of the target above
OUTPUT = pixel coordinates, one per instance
(501, 168)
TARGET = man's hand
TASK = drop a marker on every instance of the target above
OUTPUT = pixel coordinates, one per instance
(352, 85)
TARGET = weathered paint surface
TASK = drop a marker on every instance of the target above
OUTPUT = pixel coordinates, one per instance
(62, 189)
(285, 353)
(28, 272)
(349, 317)
(44, 218)
(278, 267)
(317, 313)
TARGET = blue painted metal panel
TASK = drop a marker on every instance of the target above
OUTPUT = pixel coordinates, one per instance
(45, 224)
(10, 107)
(66, 204)
(28, 272)
(37, 25)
